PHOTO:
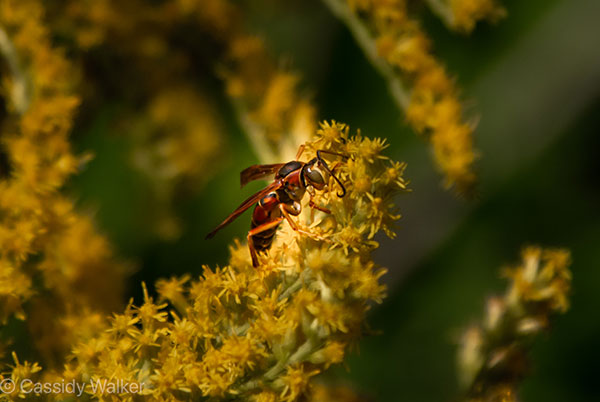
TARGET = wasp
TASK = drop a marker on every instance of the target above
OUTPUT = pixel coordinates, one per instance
(281, 199)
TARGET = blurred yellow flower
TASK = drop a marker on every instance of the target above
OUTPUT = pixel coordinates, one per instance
(51, 256)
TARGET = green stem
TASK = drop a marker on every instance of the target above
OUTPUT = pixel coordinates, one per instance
(441, 9)
(255, 134)
(365, 41)
(301, 353)
(19, 90)
(292, 288)
(305, 350)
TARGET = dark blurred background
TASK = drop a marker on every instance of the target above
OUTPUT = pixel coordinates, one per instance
(534, 79)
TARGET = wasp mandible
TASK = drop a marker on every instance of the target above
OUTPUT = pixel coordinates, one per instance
(281, 199)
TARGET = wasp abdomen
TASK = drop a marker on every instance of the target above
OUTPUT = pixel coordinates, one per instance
(263, 240)
(265, 211)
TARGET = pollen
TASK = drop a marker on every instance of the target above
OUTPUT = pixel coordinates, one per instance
(362, 185)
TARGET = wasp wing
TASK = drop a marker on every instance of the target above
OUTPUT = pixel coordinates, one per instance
(253, 199)
(256, 172)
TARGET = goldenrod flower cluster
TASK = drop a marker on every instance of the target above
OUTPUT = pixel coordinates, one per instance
(261, 333)
(51, 257)
(397, 46)
(492, 357)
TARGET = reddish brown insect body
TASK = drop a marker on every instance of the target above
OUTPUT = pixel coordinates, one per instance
(281, 199)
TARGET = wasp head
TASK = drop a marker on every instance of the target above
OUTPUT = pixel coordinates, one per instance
(316, 172)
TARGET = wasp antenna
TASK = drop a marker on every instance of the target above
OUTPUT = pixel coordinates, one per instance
(320, 151)
(320, 158)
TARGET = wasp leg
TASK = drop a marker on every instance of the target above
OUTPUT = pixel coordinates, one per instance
(324, 151)
(257, 230)
(300, 151)
(286, 211)
(313, 205)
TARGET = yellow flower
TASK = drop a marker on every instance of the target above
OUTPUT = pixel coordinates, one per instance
(543, 278)
(150, 312)
(466, 13)
(125, 323)
(295, 382)
(331, 353)
(15, 288)
(173, 290)
(265, 396)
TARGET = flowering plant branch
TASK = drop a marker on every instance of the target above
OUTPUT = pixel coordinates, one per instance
(262, 333)
(492, 355)
(400, 51)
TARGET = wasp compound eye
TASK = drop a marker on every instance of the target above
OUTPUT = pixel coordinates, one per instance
(315, 177)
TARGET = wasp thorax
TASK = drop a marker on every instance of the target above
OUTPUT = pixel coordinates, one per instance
(289, 168)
